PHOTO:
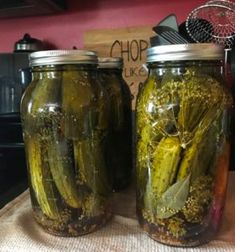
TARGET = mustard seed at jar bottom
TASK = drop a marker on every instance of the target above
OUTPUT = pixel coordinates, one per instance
(183, 144)
(64, 126)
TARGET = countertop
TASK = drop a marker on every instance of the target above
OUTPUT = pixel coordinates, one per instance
(19, 232)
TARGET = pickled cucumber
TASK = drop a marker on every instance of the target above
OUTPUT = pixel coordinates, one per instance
(77, 102)
(41, 180)
(61, 167)
(166, 158)
(202, 148)
(90, 165)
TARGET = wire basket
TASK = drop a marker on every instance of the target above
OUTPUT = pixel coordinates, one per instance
(213, 22)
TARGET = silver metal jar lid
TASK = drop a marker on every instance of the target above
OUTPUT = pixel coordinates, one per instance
(110, 62)
(199, 51)
(60, 57)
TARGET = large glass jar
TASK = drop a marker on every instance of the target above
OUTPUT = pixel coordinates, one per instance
(119, 141)
(183, 144)
(64, 128)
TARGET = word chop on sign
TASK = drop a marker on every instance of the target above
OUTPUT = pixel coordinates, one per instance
(129, 43)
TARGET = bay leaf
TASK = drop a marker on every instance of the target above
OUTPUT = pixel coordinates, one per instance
(173, 199)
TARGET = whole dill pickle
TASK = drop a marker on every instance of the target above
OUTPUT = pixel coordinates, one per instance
(40, 178)
(76, 104)
(202, 148)
(164, 165)
(91, 173)
(90, 165)
(163, 169)
(61, 167)
(193, 102)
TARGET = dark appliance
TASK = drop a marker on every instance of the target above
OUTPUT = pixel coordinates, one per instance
(13, 175)
(15, 75)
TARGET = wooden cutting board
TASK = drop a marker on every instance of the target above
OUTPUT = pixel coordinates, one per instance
(130, 43)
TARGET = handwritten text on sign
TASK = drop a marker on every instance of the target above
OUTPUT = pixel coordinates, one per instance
(129, 43)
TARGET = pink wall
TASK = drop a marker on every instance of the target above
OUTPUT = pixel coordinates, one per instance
(66, 30)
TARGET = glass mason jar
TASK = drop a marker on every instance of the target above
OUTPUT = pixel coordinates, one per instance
(183, 144)
(119, 141)
(64, 128)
